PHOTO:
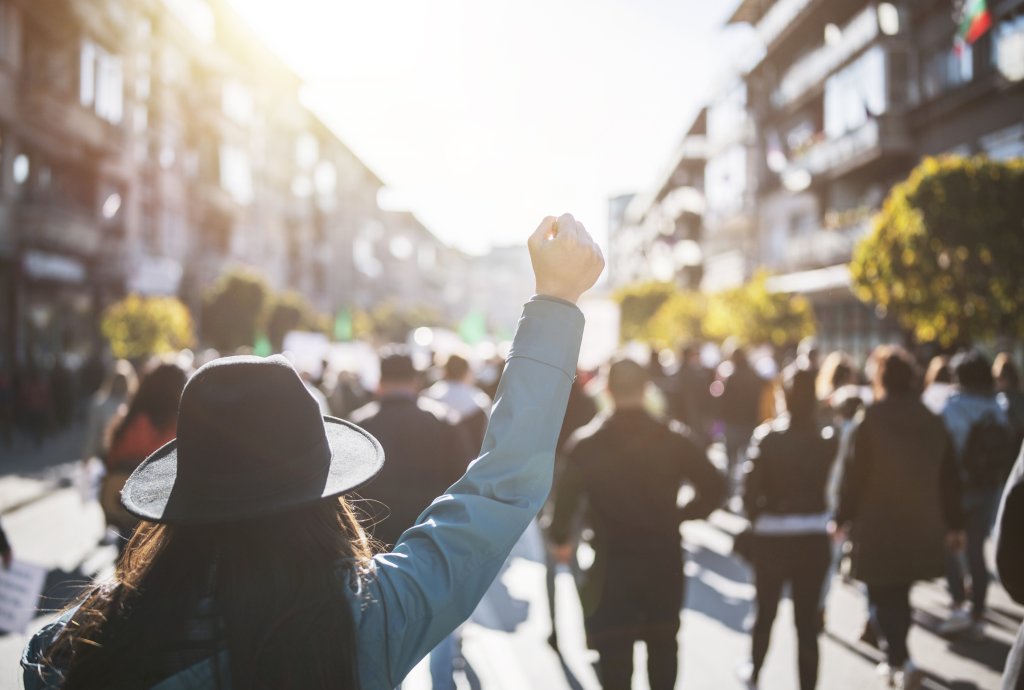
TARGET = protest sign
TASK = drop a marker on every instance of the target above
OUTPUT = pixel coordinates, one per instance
(20, 587)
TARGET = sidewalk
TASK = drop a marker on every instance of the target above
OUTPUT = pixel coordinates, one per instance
(29, 472)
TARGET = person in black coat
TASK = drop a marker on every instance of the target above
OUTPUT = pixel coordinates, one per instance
(628, 469)
(784, 496)
(900, 503)
(1010, 564)
(426, 451)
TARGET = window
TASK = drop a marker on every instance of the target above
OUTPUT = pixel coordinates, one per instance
(1008, 48)
(946, 68)
(856, 94)
(101, 82)
(236, 174)
(236, 101)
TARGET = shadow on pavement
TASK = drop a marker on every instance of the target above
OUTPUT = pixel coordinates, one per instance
(704, 598)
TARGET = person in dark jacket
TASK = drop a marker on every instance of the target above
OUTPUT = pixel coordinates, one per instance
(1010, 563)
(784, 496)
(688, 393)
(425, 449)
(899, 501)
(739, 407)
(628, 468)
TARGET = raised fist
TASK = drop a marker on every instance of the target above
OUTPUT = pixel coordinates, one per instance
(566, 260)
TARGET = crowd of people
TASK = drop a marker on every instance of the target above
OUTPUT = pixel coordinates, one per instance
(895, 472)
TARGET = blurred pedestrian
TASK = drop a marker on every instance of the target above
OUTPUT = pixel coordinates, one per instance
(458, 391)
(117, 389)
(688, 393)
(740, 407)
(938, 384)
(1010, 564)
(144, 425)
(37, 403)
(784, 496)
(579, 411)
(257, 574)
(427, 452)
(1007, 377)
(899, 503)
(985, 449)
(627, 470)
(837, 370)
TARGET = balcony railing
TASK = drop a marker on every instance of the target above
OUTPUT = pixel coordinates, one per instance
(825, 247)
(834, 156)
(62, 228)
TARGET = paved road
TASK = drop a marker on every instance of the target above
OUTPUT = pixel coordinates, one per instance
(505, 643)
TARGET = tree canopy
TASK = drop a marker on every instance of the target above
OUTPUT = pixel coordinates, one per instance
(291, 311)
(138, 327)
(944, 253)
(753, 315)
(232, 309)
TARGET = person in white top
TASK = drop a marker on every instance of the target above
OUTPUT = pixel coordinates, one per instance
(457, 391)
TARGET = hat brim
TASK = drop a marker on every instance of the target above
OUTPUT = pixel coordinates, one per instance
(356, 458)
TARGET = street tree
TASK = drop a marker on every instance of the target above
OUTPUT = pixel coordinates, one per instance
(233, 308)
(679, 320)
(139, 327)
(754, 315)
(638, 303)
(291, 311)
(944, 253)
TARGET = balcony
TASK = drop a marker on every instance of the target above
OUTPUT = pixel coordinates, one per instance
(833, 157)
(60, 228)
(62, 121)
(825, 247)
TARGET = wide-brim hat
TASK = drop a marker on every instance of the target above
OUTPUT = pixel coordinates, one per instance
(251, 441)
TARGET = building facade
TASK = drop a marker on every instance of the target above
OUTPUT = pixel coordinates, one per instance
(148, 145)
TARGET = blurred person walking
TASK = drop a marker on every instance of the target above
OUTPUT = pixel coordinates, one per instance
(938, 384)
(899, 503)
(1007, 378)
(1010, 564)
(251, 571)
(740, 406)
(784, 496)
(687, 390)
(627, 469)
(458, 391)
(147, 423)
(985, 449)
(117, 389)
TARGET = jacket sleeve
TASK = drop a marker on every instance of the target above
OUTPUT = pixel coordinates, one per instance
(1010, 539)
(754, 484)
(708, 483)
(855, 468)
(951, 489)
(567, 498)
(441, 567)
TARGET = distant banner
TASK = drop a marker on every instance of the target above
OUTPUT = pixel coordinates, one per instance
(20, 588)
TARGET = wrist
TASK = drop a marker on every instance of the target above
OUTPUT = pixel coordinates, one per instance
(556, 294)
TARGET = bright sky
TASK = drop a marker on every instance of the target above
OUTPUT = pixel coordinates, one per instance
(483, 117)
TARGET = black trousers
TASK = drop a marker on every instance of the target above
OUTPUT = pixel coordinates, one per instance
(803, 561)
(891, 606)
(616, 664)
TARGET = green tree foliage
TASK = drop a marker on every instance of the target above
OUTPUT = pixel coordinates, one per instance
(138, 327)
(679, 320)
(233, 308)
(753, 315)
(290, 311)
(944, 254)
(638, 303)
(391, 322)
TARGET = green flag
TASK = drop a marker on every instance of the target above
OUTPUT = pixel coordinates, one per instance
(473, 328)
(343, 325)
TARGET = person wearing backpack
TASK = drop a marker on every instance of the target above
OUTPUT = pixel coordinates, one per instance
(985, 451)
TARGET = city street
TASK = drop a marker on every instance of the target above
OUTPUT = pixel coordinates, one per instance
(505, 644)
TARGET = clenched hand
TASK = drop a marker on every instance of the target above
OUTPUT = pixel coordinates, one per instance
(566, 260)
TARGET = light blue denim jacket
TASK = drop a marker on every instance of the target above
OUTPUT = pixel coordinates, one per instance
(440, 568)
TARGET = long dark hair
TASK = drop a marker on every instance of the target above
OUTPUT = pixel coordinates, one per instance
(157, 398)
(269, 592)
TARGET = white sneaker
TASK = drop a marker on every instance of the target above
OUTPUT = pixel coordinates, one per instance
(887, 674)
(959, 621)
(745, 674)
(909, 677)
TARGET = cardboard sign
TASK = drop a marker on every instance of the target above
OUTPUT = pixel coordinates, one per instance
(20, 588)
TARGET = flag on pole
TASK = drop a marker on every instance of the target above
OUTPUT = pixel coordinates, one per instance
(975, 20)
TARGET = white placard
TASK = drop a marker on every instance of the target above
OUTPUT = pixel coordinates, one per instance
(20, 587)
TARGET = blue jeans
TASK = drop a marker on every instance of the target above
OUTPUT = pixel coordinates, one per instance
(980, 506)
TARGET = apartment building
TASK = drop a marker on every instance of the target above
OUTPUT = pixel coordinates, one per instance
(147, 145)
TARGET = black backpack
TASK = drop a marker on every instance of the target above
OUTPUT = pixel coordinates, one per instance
(989, 454)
